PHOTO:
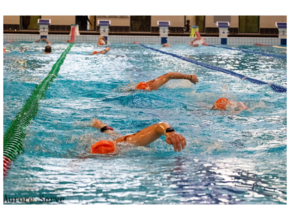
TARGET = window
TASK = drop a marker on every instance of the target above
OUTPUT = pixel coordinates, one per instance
(141, 23)
(249, 24)
(200, 22)
(86, 22)
(29, 22)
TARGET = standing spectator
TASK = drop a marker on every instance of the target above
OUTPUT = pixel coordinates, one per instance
(187, 26)
(84, 23)
(26, 22)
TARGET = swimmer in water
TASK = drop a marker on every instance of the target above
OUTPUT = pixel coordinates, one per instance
(101, 52)
(4, 50)
(141, 138)
(102, 40)
(224, 104)
(43, 39)
(161, 80)
(166, 45)
(195, 44)
(47, 49)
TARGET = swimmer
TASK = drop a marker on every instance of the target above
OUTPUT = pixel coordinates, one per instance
(141, 138)
(102, 40)
(192, 44)
(101, 52)
(161, 80)
(224, 104)
(166, 45)
(43, 39)
(47, 49)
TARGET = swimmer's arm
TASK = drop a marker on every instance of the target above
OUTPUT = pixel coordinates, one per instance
(172, 138)
(99, 125)
(148, 135)
(176, 75)
(43, 39)
(105, 51)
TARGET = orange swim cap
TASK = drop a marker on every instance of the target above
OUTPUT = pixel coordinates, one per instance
(68, 41)
(95, 52)
(221, 104)
(103, 147)
(4, 50)
(142, 85)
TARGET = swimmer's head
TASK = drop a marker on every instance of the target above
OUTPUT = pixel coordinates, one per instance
(142, 85)
(4, 50)
(195, 45)
(166, 45)
(103, 147)
(47, 49)
(95, 52)
(221, 104)
(68, 41)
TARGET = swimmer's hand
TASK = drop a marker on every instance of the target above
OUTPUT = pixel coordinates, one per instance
(194, 79)
(177, 140)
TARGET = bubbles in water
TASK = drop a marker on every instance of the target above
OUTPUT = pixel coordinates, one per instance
(212, 147)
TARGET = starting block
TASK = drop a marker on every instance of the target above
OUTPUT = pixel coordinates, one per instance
(43, 27)
(163, 30)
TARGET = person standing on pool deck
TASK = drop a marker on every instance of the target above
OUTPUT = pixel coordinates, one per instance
(154, 84)
(141, 138)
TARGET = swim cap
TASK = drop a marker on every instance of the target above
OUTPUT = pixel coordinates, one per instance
(68, 41)
(142, 85)
(103, 147)
(4, 50)
(221, 104)
(95, 52)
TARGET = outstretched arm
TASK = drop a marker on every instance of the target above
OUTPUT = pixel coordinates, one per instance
(152, 133)
(104, 128)
(161, 80)
(43, 39)
(105, 51)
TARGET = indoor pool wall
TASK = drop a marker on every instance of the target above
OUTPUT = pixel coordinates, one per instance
(230, 159)
(143, 39)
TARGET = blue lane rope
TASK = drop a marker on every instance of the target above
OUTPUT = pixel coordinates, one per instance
(276, 88)
(254, 52)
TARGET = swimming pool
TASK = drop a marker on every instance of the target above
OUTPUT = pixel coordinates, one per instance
(229, 159)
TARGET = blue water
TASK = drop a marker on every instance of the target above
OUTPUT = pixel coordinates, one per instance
(229, 159)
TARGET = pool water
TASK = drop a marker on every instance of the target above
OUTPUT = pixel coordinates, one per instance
(229, 158)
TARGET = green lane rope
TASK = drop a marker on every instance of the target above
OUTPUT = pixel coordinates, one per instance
(15, 134)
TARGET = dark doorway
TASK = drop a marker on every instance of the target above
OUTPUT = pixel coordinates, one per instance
(200, 22)
(249, 24)
(86, 22)
(29, 22)
(141, 23)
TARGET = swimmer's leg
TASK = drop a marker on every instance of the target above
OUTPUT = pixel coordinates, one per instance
(160, 81)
